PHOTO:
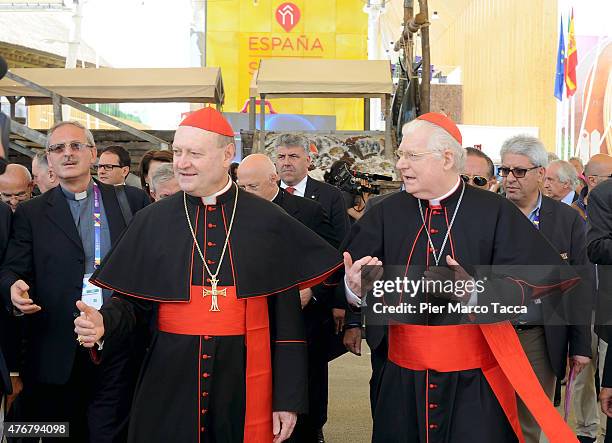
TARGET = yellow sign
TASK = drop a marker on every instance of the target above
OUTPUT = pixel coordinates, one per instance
(242, 32)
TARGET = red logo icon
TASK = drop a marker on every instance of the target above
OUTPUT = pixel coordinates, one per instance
(288, 15)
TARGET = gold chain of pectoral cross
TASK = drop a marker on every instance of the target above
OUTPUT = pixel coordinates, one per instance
(213, 291)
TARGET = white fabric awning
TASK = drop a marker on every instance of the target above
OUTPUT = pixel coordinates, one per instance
(323, 78)
(114, 85)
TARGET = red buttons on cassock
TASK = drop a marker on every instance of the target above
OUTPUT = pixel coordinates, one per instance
(211, 208)
(212, 225)
(205, 356)
(432, 406)
(210, 262)
(211, 243)
(204, 411)
(202, 429)
(433, 426)
(207, 337)
(206, 375)
(207, 280)
(433, 231)
(204, 394)
(432, 386)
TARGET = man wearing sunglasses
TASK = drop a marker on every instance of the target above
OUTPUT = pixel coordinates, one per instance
(57, 239)
(479, 170)
(524, 160)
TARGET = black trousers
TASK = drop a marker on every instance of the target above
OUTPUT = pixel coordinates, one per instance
(95, 401)
(42, 402)
(378, 358)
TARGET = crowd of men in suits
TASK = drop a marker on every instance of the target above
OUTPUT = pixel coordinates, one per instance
(48, 245)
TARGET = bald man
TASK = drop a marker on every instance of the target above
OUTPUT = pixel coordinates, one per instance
(597, 170)
(257, 175)
(15, 185)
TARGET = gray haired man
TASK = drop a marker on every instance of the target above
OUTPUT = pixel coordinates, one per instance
(163, 182)
(560, 181)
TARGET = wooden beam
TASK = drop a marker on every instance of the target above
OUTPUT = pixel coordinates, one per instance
(28, 133)
(25, 151)
(105, 118)
(57, 108)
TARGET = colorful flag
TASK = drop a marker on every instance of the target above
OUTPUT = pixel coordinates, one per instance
(560, 74)
(572, 59)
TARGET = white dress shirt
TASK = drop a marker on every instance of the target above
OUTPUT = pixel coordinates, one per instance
(300, 188)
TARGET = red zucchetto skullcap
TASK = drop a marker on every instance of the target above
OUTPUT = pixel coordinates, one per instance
(209, 119)
(444, 122)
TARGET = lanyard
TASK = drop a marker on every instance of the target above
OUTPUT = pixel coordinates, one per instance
(536, 219)
(97, 224)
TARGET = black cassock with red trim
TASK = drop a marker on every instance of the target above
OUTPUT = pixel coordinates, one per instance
(458, 402)
(214, 375)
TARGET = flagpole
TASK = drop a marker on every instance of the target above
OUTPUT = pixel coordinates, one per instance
(573, 124)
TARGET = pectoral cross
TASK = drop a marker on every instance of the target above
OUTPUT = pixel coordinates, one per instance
(213, 292)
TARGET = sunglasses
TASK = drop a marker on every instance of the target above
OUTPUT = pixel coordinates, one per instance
(74, 146)
(478, 180)
(517, 172)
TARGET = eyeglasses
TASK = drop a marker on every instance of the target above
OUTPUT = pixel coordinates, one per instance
(517, 172)
(107, 167)
(18, 196)
(74, 146)
(412, 155)
(602, 176)
(478, 180)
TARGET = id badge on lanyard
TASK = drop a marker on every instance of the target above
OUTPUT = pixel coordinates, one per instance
(91, 294)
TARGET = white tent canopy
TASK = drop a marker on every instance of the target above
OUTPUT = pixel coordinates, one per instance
(114, 85)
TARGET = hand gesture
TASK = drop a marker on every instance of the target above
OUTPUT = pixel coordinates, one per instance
(354, 272)
(21, 299)
(89, 326)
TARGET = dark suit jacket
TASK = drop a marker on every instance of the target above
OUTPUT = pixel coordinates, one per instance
(45, 251)
(308, 212)
(6, 343)
(333, 203)
(564, 229)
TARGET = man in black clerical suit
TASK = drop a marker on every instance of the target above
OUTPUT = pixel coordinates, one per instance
(229, 349)
(437, 383)
(257, 174)
(51, 249)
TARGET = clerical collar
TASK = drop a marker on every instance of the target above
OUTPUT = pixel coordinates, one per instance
(212, 199)
(79, 195)
(437, 201)
(300, 188)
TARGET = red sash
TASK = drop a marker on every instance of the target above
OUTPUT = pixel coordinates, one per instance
(237, 317)
(493, 348)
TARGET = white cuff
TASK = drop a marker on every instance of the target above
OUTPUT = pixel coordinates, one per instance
(14, 374)
(351, 297)
(473, 300)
